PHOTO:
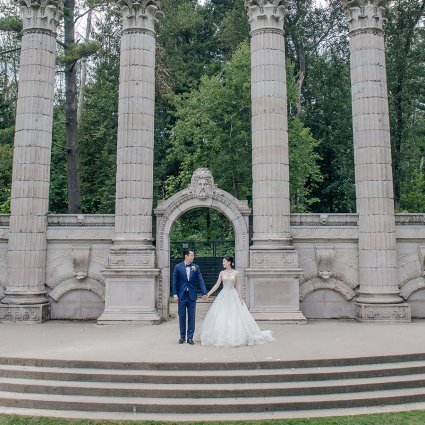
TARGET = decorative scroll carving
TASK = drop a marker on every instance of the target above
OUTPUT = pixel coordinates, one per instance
(140, 14)
(365, 14)
(274, 260)
(24, 314)
(81, 256)
(266, 14)
(202, 184)
(317, 284)
(325, 255)
(40, 14)
(383, 312)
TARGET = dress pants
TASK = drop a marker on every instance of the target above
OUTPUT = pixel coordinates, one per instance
(189, 306)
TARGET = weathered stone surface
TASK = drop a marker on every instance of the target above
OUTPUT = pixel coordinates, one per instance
(27, 245)
(374, 188)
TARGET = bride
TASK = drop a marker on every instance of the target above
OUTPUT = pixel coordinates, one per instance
(228, 322)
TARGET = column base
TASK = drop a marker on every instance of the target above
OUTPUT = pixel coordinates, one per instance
(399, 313)
(130, 297)
(280, 317)
(24, 314)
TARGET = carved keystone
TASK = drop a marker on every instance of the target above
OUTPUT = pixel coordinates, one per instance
(325, 255)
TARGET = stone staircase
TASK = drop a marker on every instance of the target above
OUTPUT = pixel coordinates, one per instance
(197, 391)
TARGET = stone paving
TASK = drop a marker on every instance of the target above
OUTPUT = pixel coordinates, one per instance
(158, 343)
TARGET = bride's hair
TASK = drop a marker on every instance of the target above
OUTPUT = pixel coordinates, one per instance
(231, 260)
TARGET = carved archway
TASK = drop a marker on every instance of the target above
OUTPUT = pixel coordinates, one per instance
(201, 193)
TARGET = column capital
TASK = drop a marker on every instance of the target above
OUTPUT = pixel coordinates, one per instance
(266, 14)
(140, 15)
(364, 15)
(40, 15)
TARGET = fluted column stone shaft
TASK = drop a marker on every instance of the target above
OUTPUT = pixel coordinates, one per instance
(134, 186)
(31, 157)
(372, 150)
(273, 273)
(131, 275)
(270, 159)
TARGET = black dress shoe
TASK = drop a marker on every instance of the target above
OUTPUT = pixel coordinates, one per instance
(190, 341)
(181, 341)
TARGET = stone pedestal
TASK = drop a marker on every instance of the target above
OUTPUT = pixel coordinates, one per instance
(25, 294)
(24, 314)
(379, 294)
(273, 272)
(274, 286)
(383, 312)
(131, 286)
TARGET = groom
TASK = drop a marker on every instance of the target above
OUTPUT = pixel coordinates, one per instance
(185, 276)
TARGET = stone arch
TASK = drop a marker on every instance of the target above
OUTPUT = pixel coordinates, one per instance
(201, 193)
(67, 282)
(316, 283)
(412, 283)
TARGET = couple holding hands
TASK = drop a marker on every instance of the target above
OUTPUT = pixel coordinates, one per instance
(228, 322)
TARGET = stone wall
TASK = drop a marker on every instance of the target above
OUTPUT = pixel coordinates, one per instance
(78, 247)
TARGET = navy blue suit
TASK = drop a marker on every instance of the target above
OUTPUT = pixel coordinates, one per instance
(186, 291)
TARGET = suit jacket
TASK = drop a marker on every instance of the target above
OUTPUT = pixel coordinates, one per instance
(180, 282)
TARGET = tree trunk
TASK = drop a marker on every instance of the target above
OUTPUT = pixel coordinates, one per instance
(74, 194)
(83, 73)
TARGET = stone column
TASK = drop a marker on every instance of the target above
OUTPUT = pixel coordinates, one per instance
(379, 295)
(131, 277)
(25, 295)
(273, 273)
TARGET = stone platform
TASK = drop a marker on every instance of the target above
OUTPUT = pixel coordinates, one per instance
(374, 364)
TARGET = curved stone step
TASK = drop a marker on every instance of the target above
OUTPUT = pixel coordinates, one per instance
(230, 365)
(114, 389)
(205, 405)
(210, 376)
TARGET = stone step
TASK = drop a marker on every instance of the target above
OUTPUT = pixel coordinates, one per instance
(114, 389)
(210, 405)
(231, 365)
(212, 377)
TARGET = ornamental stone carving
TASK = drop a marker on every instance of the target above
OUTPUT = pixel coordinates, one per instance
(40, 14)
(324, 258)
(202, 184)
(266, 14)
(140, 14)
(81, 259)
(365, 14)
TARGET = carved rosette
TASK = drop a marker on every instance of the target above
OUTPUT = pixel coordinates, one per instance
(364, 15)
(266, 14)
(140, 14)
(39, 15)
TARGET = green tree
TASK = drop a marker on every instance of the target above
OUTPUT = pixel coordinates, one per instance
(10, 26)
(405, 47)
(213, 130)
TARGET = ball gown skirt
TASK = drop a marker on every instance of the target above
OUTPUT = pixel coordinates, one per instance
(228, 322)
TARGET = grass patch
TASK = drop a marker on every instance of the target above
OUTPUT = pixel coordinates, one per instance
(402, 418)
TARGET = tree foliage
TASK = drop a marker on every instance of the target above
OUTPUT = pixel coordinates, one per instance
(202, 115)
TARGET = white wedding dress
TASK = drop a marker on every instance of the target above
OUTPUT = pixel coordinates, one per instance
(228, 323)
